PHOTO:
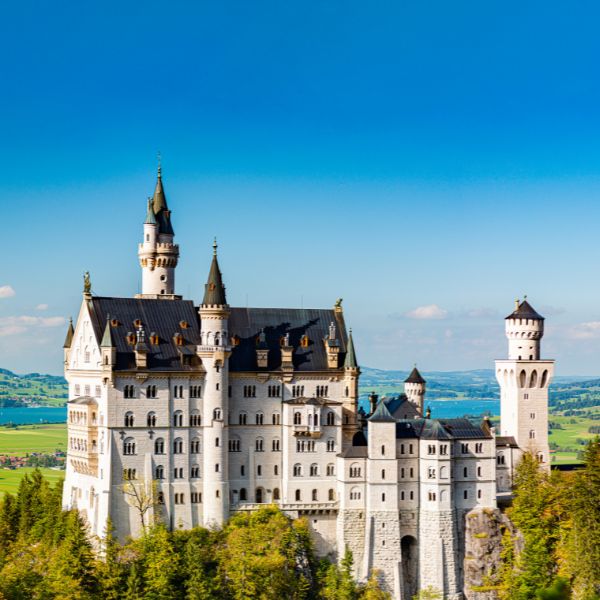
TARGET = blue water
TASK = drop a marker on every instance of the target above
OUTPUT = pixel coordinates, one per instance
(451, 409)
(26, 416)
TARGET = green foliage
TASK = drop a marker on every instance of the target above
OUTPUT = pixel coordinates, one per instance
(428, 593)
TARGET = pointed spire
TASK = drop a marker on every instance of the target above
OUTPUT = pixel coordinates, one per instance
(261, 343)
(414, 377)
(107, 338)
(70, 334)
(150, 218)
(214, 290)
(350, 360)
(159, 205)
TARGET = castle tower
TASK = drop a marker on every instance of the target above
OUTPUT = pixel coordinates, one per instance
(414, 388)
(158, 254)
(524, 379)
(351, 375)
(214, 352)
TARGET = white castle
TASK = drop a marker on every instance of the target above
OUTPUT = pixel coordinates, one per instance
(214, 409)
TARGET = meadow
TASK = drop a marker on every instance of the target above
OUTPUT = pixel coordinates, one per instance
(9, 480)
(24, 439)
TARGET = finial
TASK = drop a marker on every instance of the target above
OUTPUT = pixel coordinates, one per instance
(158, 158)
(350, 331)
(87, 283)
(215, 246)
(516, 303)
(70, 320)
(525, 297)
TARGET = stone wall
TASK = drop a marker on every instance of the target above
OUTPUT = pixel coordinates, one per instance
(351, 525)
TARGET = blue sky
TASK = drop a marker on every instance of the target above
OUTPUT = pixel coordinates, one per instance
(428, 162)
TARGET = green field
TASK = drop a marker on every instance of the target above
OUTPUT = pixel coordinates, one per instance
(9, 480)
(48, 390)
(33, 438)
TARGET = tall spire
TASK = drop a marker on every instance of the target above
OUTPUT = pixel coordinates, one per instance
(107, 338)
(159, 204)
(350, 360)
(70, 334)
(214, 290)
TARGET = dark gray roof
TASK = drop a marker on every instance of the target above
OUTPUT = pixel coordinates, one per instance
(161, 210)
(247, 324)
(525, 311)
(381, 414)
(506, 440)
(359, 439)
(107, 338)
(440, 429)
(355, 452)
(164, 317)
(402, 408)
(350, 360)
(150, 218)
(414, 377)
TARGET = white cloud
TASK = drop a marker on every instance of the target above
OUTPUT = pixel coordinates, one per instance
(482, 313)
(431, 311)
(585, 331)
(22, 323)
(41, 307)
(6, 291)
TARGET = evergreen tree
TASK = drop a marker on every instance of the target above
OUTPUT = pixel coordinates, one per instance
(110, 568)
(135, 583)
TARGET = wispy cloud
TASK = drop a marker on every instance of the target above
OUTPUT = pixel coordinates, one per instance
(6, 291)
(431, 311)
(41, 307)
(585, 331)
(22, 323)
(481, 313)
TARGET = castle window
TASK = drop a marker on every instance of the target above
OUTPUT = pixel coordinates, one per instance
(160, 498)
(260, 418)
(304, 341)
(444, 449)
(216, 467)
(195, 391)
(77, 390)
(216, 442)
(87, 390)
(402, 473)
(276, 445)
(464, 448)
(330, 445)
(276, 418)
(355, 470)
(129, 446)
(243, 496)
(259, 470)
(330, 469)
(532, 434)
(382, 450)
(382, 473)
(97, 391)
(401, 448)
(479, 494)
(431, 473)
(259, 445)
(195, 446)
(242, 470)
(479, 448)
(412, 495)
(129, 474)
(465, 472)
(355, 494)
(129, 419)
(177, 419)
(314, 470)
(217, 414)
(159, 472)
(128, 392)
(159, 446)
(383, 497)
(443, 473)
(234, 445)
(276, 470)
(478, 471)
(151, 391)
(431, 449)
(500, 459)
(276, 494)
(196, 497)
(178, 473)
(297, 470)
(86, 356)
(297, 418)
(243, 418)
(330, 418)
(410, 448)
(315, 496)
(298, 495)
(195, 472)
(195, 419)
(178, 446)
(347, 392)
(432, 496)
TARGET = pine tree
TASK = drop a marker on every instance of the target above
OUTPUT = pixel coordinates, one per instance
(135, 583)
(110, 569)
(161, 565)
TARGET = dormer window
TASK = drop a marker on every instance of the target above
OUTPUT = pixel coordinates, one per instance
(131, 339)
(137, 323)
(154, 339)
(304, 341)
(183, 324)
(114, 322)
(235, 340)
(178, 338)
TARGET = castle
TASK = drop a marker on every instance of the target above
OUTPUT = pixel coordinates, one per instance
(190, 413)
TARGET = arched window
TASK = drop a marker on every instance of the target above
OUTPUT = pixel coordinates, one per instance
(195, 419)
(259, 445)
(195, 472)
(243, 418)
(330, 445)
(297, 470)
(151, 419)
(195, 446)
(151, 391)
(260, 418)
(315, 495)
(276, 494)
(178, 446)
(355, 470)
(178, 419)
(243, 495)
(330, 469)
(276, 418)
(159, 472)
(523, 379)
(544, 379)
(128, 446)
(500, 459)
(297, 418)
(129, 419)
(355, 493)
(129, 391)
(314, 470)
(159, 446)
(533, 380)
(234, 444)
(276, 445)
(217, 414)
(259, 495)
(298, 495)
(331, 495)
(330, 418)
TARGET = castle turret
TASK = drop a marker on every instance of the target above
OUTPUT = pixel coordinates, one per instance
(414, 388)
(68, 341)
(524, 379)
(158, 254)
(214, 352)
(351, 374)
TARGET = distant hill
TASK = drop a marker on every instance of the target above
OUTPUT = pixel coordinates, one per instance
(32, 389)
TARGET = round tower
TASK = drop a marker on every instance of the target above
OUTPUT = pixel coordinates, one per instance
(414, 388)
(214, 352)
(524, 330)
(157, 253)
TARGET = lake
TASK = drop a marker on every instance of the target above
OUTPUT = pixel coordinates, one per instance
(27, 416)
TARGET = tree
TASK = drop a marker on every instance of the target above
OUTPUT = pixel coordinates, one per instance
(372, 590)
(110, 568)
(141, 495)
(428, 593)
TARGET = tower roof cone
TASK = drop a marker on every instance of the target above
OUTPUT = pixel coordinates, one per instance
(214, 290)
